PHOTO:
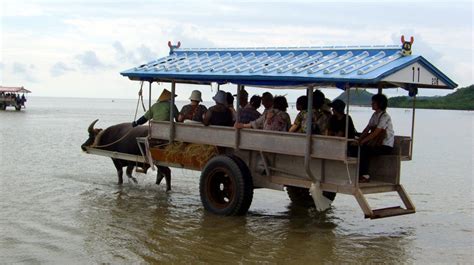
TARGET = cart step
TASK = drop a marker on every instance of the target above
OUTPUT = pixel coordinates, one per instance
(388, 212)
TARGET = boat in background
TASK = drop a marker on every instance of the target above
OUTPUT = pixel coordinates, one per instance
(10, 96)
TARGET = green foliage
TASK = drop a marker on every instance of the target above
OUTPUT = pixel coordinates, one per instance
(358, 97)
(461, 99)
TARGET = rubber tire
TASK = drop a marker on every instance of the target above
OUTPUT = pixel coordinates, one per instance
(302, 196)
(18, 108)
(241, 185)
(3, 107)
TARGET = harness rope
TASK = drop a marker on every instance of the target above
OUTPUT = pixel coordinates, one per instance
(140, 98)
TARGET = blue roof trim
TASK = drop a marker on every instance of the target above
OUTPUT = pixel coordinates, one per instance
(361, 65)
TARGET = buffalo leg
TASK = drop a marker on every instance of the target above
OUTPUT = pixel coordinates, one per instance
(118, 166)
(164, 172)
(129, 173)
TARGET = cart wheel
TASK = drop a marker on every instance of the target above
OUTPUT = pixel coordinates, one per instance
(302, 197)
(18, 107)
(3, 107)
(226, 186)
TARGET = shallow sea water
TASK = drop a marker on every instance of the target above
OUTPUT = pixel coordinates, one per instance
(60, 205)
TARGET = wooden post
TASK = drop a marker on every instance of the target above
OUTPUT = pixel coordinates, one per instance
(309, 126)
(412, 126)
(172, 127)
(237, 118)
(149, 106)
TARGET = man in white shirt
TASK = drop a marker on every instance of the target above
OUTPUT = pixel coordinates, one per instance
(377, 138)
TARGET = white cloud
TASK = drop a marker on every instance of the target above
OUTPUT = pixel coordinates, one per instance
(59, 69)
(24, 71)
(89, 61)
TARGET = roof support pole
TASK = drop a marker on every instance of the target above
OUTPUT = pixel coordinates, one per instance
(309, 126)
(149, 94)
(348, 102)
(149, 106)
(237, 118)
(172, 127)
(412, 126)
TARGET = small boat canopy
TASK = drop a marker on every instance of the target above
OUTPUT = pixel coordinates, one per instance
(354, 66)
(14, 89)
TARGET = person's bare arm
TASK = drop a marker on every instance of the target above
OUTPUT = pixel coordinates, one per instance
(294, 128)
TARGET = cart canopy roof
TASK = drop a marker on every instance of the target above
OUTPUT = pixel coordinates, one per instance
(6, 89)
(354, 66)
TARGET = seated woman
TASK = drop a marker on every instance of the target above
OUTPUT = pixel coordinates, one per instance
(219, 114)
(193, 111)
(299, 124)
(377, 138)
(320, 115)
(275, 119)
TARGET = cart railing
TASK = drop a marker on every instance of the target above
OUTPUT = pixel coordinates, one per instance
(323, 147)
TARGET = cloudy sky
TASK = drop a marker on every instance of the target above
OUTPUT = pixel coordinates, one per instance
(77, 48)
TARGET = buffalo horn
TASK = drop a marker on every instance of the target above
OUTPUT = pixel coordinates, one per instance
(91, 127)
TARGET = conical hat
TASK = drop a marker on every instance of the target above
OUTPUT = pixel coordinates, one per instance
(165, 95)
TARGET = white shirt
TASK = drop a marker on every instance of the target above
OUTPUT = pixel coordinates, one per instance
(383, 122)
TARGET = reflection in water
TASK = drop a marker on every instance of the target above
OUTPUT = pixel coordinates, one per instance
(144, 223)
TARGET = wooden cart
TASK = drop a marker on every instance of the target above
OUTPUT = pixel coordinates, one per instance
(246, 159)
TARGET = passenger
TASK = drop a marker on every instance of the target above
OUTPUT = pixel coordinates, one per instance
(244, 98)
(193, 111)
(300, 121)
(275, 119)
(267, 101)
(320, 116)
(377, 138)
(160, 111)
(337, 122)
(230, 104)
(250, 112)
(23, 99)
(327, 107)
(219, 114)
(337, 125)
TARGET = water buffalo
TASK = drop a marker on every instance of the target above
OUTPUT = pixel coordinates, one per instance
(99, 137)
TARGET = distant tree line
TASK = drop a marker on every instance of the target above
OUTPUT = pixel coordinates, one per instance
(461, 99)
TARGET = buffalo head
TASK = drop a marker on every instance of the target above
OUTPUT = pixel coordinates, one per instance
(92, 135)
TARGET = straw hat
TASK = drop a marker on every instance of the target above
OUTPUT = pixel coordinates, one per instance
(196, 96)
(220, 97)
(165, 95)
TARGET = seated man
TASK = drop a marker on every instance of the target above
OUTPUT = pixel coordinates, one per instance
(267, 101)
(219, 114)
(337, 125)
(160, 111)
(337, 122)
(250, 113)
(377, 138)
